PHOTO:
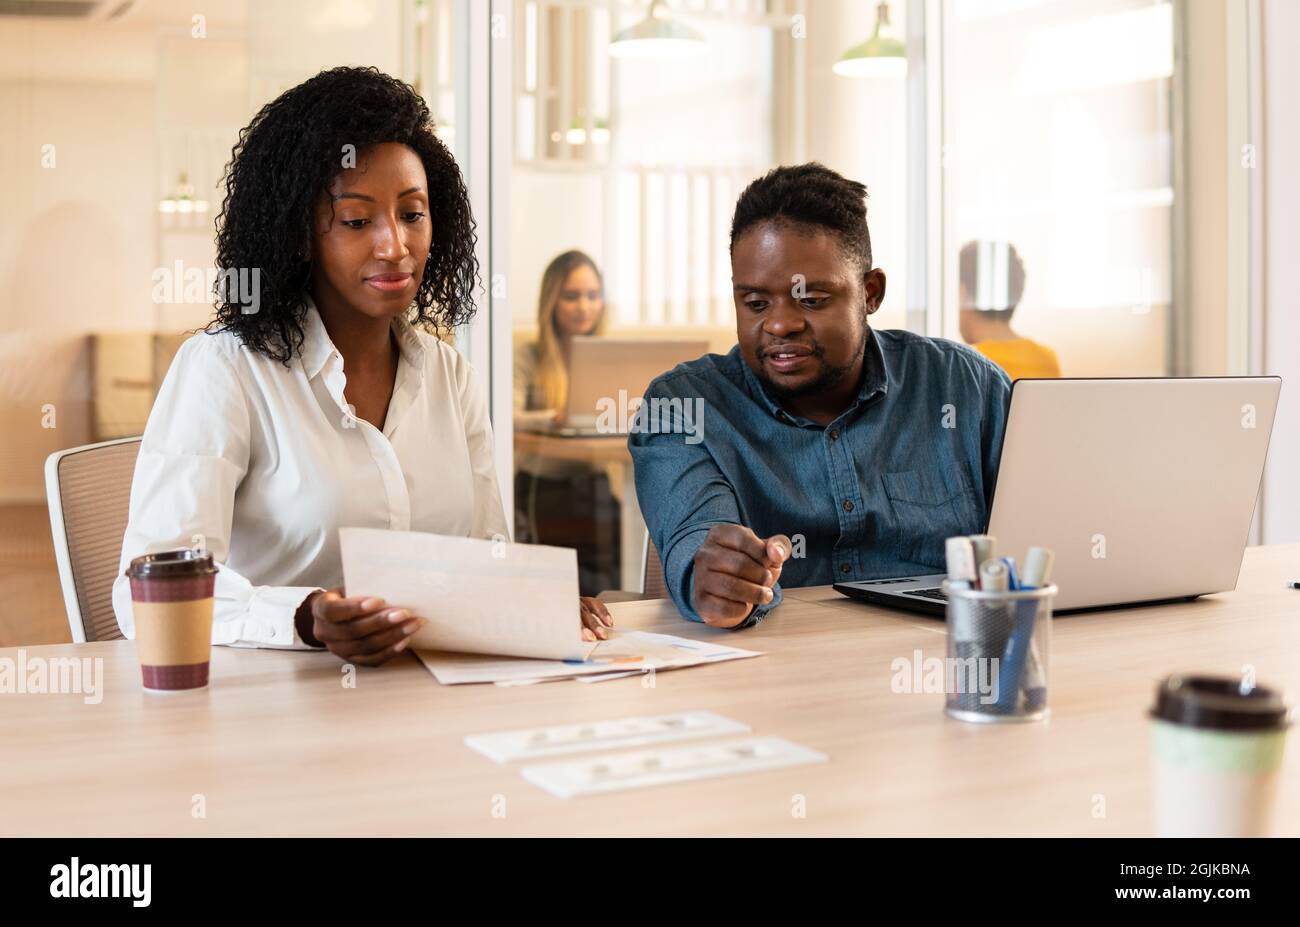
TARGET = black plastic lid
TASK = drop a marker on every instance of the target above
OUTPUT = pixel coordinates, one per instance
(1219, 703)
(171, 564)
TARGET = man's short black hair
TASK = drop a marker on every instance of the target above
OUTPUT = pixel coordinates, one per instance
(811, 196)
(993, 276)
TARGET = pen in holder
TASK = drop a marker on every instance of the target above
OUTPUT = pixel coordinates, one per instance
(998, 649)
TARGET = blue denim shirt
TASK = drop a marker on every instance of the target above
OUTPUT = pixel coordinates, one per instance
(873, 494)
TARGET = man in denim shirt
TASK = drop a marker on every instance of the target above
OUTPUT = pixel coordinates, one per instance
(819, 450)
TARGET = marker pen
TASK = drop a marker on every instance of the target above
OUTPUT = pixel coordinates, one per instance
(1035, 574)
(994, 576)
(985, 545)
(960, 555)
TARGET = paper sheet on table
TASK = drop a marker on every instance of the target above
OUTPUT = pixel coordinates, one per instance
(625, 652)
(476, 596)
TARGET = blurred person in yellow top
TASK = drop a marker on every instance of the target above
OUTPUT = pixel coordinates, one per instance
(992, 281)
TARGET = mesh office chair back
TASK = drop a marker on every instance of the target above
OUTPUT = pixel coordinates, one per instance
(88, 490)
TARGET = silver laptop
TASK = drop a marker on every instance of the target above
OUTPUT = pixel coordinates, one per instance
(609, 374)
(1143, 488)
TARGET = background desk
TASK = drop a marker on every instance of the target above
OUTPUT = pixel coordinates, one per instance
(602, 450)
(277, 745)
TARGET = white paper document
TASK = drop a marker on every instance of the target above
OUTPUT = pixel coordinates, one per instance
(664, 765)
(476, 596)
(624, 653)
(531, 743)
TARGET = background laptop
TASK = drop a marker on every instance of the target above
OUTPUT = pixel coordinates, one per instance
(600, 367)
(1143, 488)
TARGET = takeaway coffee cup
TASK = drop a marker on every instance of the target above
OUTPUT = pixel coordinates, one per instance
(171, 599)
(1216, 755)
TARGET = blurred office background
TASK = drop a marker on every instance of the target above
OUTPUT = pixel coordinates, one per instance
(1134, 152)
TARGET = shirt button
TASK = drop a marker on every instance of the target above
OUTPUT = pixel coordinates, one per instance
(835, 435)
(844, 567)
(848, 505)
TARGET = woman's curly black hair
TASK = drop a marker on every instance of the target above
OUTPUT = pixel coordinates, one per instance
(285, 158)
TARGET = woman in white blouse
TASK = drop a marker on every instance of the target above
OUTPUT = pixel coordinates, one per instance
(316, 400)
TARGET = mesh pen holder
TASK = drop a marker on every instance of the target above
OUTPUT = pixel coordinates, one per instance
(999, 644)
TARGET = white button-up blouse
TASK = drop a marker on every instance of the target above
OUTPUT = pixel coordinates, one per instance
(263, 463)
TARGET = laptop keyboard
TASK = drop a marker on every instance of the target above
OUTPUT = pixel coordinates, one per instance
(935, 593)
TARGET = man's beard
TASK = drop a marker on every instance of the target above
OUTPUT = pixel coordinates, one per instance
(829, 378)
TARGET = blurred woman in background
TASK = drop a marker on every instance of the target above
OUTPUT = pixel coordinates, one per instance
(558, 502)
(571, 302)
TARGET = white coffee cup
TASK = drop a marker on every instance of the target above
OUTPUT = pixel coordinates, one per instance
(1216, 750)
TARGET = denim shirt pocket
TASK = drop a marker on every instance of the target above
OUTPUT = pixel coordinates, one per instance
(929, 508)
